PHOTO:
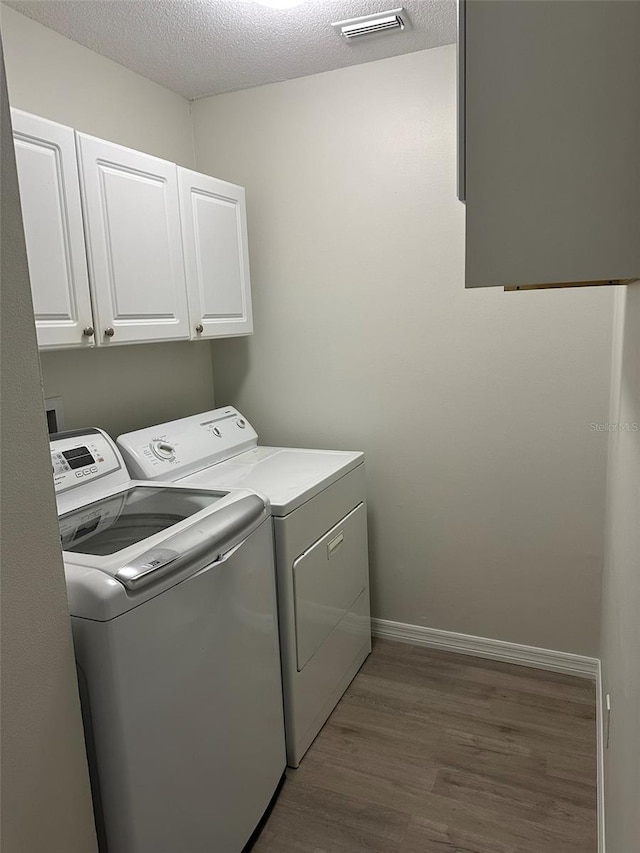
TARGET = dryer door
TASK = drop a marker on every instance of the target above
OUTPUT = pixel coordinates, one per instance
(327, 579)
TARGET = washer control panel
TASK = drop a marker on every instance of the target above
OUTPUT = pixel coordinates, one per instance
(80, 457)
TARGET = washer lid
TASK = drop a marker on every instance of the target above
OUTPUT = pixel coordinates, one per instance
(287, 476)
(121, 550)
(112, 524)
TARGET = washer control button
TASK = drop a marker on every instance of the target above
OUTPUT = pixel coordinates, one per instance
(241, 423)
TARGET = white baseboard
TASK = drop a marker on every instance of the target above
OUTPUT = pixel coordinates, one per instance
(600, 748)
(482, 647)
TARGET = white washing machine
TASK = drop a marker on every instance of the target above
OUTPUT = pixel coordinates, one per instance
(173, 603)
(319, 516)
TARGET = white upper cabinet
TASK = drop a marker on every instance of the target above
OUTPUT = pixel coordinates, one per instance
(214, 223)
(550, 141)
(134, 244)
(126, 248)
(52, 216)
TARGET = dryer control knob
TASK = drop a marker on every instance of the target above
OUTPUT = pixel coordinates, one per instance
(163, 450)
(241, 423)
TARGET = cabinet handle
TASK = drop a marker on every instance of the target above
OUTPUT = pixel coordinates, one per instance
(109, 332)
(199, 328)
(88, 331)
(335, 545)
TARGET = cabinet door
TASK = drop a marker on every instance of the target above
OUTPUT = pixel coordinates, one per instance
(52, 216)
(552, 139)
(134, 244)
(214, 222)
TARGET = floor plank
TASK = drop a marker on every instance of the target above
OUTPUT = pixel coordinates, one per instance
(431, 752)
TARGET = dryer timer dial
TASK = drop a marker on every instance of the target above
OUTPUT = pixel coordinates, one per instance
(163, 450)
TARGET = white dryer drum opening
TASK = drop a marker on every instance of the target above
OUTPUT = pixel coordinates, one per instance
(328, 579)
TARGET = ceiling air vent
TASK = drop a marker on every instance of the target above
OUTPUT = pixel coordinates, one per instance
(394, 19)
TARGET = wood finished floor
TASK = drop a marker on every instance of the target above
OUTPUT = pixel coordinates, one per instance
(430, 752)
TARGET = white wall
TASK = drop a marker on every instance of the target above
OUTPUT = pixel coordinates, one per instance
(54, 77)
(46, 803)
(486, 482)
(621, 599)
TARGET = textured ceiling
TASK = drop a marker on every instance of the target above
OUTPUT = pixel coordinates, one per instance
(205, 47)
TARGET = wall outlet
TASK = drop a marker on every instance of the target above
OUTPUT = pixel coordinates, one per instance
(55, 414)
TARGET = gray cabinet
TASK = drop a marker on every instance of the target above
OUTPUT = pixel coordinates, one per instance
(549, 148)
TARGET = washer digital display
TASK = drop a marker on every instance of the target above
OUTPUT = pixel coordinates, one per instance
(79, 457)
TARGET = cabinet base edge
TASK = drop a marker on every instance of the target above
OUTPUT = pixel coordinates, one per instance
(602, 283)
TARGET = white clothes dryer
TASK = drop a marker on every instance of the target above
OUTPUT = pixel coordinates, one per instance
(318, 508)
(172, 596)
